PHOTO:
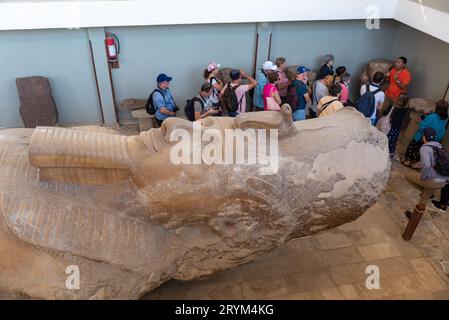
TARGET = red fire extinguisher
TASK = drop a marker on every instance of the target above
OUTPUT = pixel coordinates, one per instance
(112, 47)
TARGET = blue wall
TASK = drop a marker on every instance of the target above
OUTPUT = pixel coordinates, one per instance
(61, 55)
(180, 51)
(183, 52)
(352, 44)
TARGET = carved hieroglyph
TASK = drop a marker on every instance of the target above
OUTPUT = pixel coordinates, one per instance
(129, 219)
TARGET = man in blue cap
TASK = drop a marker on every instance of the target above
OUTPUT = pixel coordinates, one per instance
(163, 100)
(302, 91)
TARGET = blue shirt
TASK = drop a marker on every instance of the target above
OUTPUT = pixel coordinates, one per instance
(262, 80)
(163, 100)
(301, 90)
(434, 121)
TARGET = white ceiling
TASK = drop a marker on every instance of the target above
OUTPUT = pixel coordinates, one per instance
(29, 14)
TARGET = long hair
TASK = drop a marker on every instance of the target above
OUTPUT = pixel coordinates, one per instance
(207, 73)
(441, 109)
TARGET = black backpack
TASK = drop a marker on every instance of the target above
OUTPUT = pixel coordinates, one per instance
(367, 103)
(441, 156)
(230, 98)
(149, 106)
(189, 109)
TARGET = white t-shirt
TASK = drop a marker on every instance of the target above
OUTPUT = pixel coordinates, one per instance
(214, 96)
(319, 92)
(379, 98)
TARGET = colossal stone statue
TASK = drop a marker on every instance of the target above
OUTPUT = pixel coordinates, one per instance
(120, 213)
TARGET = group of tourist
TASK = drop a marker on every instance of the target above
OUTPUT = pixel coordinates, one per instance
(385, 96)
(274, 85)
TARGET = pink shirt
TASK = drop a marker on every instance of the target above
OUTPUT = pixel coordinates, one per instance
(240, 92)
(268, 91)
(344, 93)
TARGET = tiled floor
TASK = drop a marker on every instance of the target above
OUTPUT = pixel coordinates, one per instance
(332, 264)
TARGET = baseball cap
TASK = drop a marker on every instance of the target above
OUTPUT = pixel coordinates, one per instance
(302, 69)
(430, 134)
(269, 65)
(163, 77)
(234, 74)
(212, 66)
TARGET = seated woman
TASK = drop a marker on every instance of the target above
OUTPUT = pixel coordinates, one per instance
(271, 97)
(436, 120)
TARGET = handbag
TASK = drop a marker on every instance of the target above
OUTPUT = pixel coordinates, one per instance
(272, 104)
(384, 123)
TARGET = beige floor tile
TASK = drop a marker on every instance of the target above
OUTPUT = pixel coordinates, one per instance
(392, 267)
(301, 263)
(349, 292)
(403, 285)
(259, 270)
(408, 249)
(379, 251)
(310, 281)
(265, 288)
(349, 274)
(368, 294)
(333, 294)
(442, 295)
(368, 236)
(420, 296)
(219, 291)
(307, 244)
(334, 240)
(428, 275)
(341, 256)
(297, 296)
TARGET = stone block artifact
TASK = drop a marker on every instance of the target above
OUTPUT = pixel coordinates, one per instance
(118, 210)
(37, 106)
(376, 65)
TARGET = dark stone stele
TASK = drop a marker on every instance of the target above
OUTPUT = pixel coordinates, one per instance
(37, 105)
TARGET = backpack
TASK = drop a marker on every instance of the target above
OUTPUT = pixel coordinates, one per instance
(189, 109)
(384, 123)
(149, 106)
(367, 102)
(292, 97)
(327, 104)
(230, 98)
(441, 160)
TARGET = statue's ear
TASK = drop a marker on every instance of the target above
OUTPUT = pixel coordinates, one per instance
(281, 120)
(171, 124)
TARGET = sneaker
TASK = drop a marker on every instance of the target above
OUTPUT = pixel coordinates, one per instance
(438, 206)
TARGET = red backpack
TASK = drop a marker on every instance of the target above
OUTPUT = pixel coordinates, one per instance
(292, 97)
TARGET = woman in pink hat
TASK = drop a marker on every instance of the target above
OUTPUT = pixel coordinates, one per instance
(210, 76)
